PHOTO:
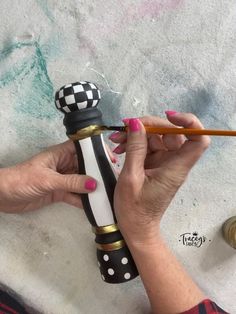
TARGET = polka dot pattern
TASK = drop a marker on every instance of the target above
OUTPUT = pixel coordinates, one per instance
(106, 257)
(116, 266)
(111, 271)
(127, 276)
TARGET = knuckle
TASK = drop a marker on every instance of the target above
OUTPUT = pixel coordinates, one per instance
(72, 182)
(129, 183)
(135, 147)
(192, 119)
(146, 119)
(128, 180)
(206, 141)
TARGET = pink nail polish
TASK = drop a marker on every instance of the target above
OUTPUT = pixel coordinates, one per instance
(126, 121)
(134, 125)
(114, 160)
(170, 112)
(117, 150)
(90, 184)
(114, 136)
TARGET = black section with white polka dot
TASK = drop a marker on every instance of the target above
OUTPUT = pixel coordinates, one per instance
(116, 266)
(77, 96)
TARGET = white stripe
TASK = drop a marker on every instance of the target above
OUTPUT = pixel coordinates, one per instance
(109, 159)
(98, 200)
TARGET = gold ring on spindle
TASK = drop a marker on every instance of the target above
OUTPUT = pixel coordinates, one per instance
(90, 130)
(105, 229)
(111, 246)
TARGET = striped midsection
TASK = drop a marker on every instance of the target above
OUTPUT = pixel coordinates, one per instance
(100, 203)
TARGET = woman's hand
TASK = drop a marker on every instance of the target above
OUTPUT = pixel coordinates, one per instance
(46, 178)
(154, 169)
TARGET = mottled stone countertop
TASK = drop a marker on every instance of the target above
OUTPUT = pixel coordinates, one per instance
(146, 56)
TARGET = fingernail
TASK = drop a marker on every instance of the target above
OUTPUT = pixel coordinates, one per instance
(90, 184)
(134, 125)
(114, 136)
(126, 121)
(117, 150)
(170, 112)
(114, 160)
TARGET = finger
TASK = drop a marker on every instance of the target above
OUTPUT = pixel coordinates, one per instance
(118, 137)
(188, 120)
(155, 143)
(68, 164)
(194, 147)
(155, 122)
(120, 149)
(73, 183)
(136, 147)
(173, 142)
(66, 147)
(57, 155)
(73, 199)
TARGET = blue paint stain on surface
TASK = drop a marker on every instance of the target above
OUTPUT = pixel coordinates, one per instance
(35, 95)
(11, 47)
(38, 100)
(44, 6)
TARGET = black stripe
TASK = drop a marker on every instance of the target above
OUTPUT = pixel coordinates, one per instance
(219, 310)
(107, 174)
(108, 237)
(202, 308)
(3, 310)
(10, 302)
(84, 197)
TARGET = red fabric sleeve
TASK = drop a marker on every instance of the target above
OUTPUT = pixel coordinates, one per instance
(206, 307)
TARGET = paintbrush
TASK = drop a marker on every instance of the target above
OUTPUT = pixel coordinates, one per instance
(162, 131)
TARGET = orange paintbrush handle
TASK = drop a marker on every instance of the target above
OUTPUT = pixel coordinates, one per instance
(184, 131)
(189, 131)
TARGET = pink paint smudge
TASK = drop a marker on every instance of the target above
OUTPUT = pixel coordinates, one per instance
(127, 15)
(152, 8)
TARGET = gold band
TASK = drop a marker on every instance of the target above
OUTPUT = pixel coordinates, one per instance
(229, 231)
(86, 132)
(105, 229)
(111, 246)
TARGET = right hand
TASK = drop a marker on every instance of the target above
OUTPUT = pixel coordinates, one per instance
(154, 169)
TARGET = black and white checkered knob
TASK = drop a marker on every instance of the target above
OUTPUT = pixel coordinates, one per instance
(77, 96)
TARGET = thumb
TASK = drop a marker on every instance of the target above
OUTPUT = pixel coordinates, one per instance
(136, 147)
(75, 183)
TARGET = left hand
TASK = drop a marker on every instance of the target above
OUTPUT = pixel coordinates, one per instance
(48, 177)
